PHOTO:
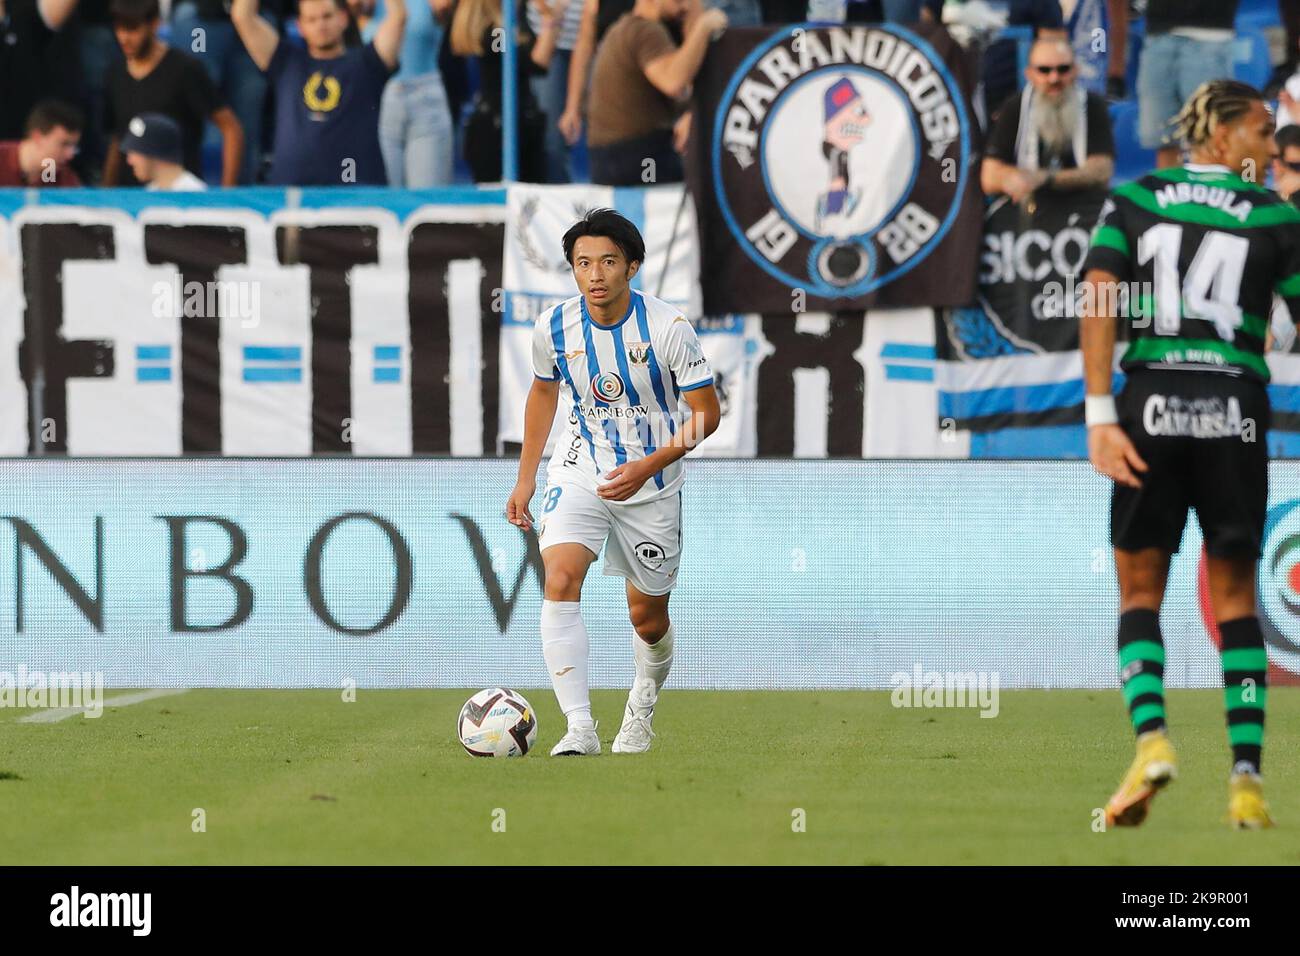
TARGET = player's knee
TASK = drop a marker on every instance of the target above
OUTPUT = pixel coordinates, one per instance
(562, 584)
(650, 623)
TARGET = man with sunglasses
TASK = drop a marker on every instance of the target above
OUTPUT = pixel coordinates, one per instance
(1054, 134)
(1286, 167)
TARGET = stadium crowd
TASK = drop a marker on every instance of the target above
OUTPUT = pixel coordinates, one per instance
(186, 94)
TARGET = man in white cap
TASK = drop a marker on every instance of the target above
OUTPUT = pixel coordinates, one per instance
(156, 155)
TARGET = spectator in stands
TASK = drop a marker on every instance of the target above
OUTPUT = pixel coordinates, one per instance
(232, 71)
(644, 79)
(362, 13)
(153, 148)
(1187, 43)
(327, 95)
(550, 88)
(99, 55)
(155, 78)
(1043, 132)
(748, 13)
(1117, 50)
(597, 17)
(1289, 13)
(473, 28)
(859, 11)
(1000, 59)
(36, 61)
(1286, 166)
(415, 127)
(41, 157)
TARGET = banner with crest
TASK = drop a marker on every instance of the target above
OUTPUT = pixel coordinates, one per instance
(835, 168)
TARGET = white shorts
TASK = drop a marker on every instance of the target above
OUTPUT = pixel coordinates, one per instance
(642, 541)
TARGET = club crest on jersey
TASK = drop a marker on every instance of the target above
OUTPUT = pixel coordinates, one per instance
(650, 555)
(607, 386)
(840, 156)
(638, 353)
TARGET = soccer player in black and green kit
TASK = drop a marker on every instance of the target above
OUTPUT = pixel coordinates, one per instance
(1209, 248)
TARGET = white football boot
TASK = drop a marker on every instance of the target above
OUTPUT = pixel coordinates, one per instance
(635, 734)
(578, 742)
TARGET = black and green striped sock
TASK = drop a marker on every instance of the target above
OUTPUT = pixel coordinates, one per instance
(1142, 668)
(1245, 690)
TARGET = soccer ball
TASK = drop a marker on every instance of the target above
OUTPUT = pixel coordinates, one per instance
(497, 722)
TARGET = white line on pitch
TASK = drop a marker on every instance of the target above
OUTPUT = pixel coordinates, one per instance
(54, 715)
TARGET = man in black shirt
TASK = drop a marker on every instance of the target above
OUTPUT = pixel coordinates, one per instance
(1053, 134)
(235, 75)
(158, 79)
(37, 60)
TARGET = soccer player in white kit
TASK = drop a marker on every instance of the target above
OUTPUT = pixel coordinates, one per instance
(625, 362)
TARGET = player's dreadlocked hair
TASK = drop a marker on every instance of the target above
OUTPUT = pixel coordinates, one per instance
(1214, 103)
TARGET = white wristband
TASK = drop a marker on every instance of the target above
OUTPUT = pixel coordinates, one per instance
(1100, 410)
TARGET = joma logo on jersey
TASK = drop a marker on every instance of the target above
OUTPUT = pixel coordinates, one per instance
(638, 353)
(607, 386)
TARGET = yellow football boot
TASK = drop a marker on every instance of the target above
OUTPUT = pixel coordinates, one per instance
(1246, 807)
(1153, 768)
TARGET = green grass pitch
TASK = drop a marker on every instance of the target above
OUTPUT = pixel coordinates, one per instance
(293, 777)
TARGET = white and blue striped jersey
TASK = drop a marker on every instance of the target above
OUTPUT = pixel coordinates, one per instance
(624, 386)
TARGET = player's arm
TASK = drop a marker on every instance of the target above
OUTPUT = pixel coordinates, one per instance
(259, 38)
(539, 416)
(706, 412)
(388, 38)
(1110, 450)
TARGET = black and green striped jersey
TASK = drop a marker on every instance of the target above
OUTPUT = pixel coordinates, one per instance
(1202, 253)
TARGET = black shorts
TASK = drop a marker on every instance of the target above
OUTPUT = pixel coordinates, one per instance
(1204, 439)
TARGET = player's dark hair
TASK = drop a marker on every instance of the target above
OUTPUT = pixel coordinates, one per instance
(1211, 105)
(1287, 136)
(610, 225)
(133, 13)
(49, 114)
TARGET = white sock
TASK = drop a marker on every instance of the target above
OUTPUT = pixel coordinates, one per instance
(564, 648)
(653, 662)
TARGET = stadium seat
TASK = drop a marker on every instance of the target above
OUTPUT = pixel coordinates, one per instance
(1137, 33)
(1131, 160)
(1257, 15)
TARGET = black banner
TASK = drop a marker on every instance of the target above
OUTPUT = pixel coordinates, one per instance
(1027, 307)
(835, 169)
